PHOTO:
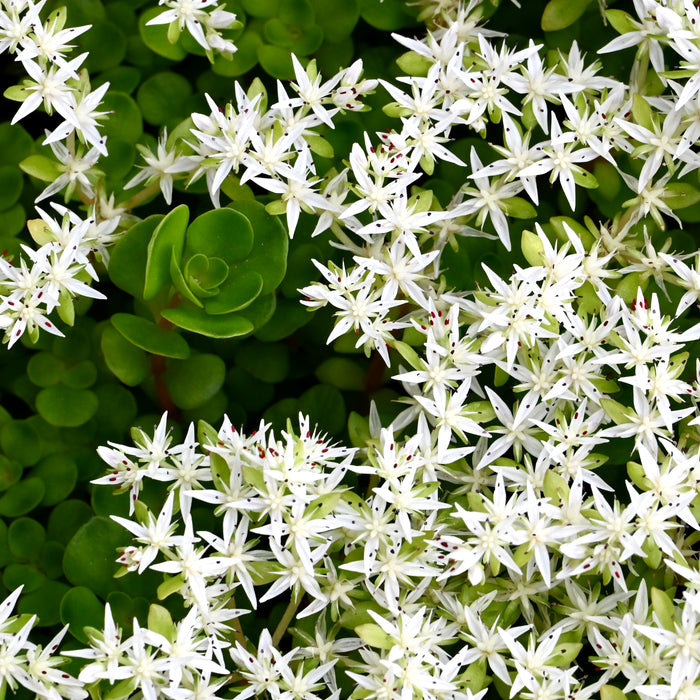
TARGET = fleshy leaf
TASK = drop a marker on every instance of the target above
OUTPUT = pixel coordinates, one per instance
(168, 239)
(148, 336)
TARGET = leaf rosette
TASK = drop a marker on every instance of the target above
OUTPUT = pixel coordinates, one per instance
(215, 276)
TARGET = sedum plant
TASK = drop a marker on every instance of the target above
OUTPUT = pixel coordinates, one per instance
(386, 351)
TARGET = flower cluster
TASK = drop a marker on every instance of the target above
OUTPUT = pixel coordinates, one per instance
(203, 21)
(60, 269)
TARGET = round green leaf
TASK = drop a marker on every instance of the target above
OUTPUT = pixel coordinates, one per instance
(205, 274)
(20, 442)
(260, 311)
(66, 518)
(168, 239)
(13, 220)
(65, 407)
(90, 556)
(162, 97)
(51, 559)
(128, 363)
(261, 8)
(287, 318)
(117, 409)
(276, 61)
(148, 336)
(81, 608)
(342, 373)
(121, 79)
(197, 321)
(155, 36)
(106, 46)
(11, 183)
(10, 472)
(325, 406)
(80, 376)
(266, 361)
(237, 293)
(269, 254)
(280, 412)
(194, 381)
(27, 575)
(22, 497)
(560, 14)
(253, 394)
(45, 369)
(297, 13)
(59, 474)
(25, 537)
(220, 233)
(125, 120)
(337, 19)
(118, 162)
(388, 16)
(15, 143)
(45, 602)
(127, 260)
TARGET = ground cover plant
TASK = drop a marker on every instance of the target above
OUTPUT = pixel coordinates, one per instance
(352, 349)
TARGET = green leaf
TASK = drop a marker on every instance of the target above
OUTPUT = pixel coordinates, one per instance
(276, 61)
(224, 326)
(90, 556)
(642, 112)
(261, 8)
(178, 280)
(163, 98)
(388, 16)
(412, 63)
(358, 430)
(105, 44)
(565, 653)
(584, 179)
(618, 413)
(610, 692)
(41, 167)
(160, 621)
(621, 21)
(59, 473)
(66, 518)
(155, 36)
(148, 336)
(243, 60)
(128, 258)
(221, 233)
(125, 122)
(560, 14)
(336, 19)
(532, 247)
(167, 240)
(19, 441)
(663, 606)
(268, 362)
(80, 376)
(26, 575)
(325, 406)
(239, 292)
(342, 373)
(374, 636)
(679, 195)
(123, 689)
(205, 274)
(269, 254)
(192, 382)
(45, 602)
(319, 145)
(65, 407)
(25, 537)
(15, 143)
(11, 184)
(129, 364)
(519, 208)
(22, 498)
(10, 472)
(81, 608)
(172, 584)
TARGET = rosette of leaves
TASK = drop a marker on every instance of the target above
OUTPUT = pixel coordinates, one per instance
(215, 276)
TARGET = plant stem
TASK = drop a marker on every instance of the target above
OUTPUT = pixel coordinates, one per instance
(286, 618)
(142, 196)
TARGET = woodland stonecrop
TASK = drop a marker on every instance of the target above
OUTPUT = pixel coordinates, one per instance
(510, 508)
